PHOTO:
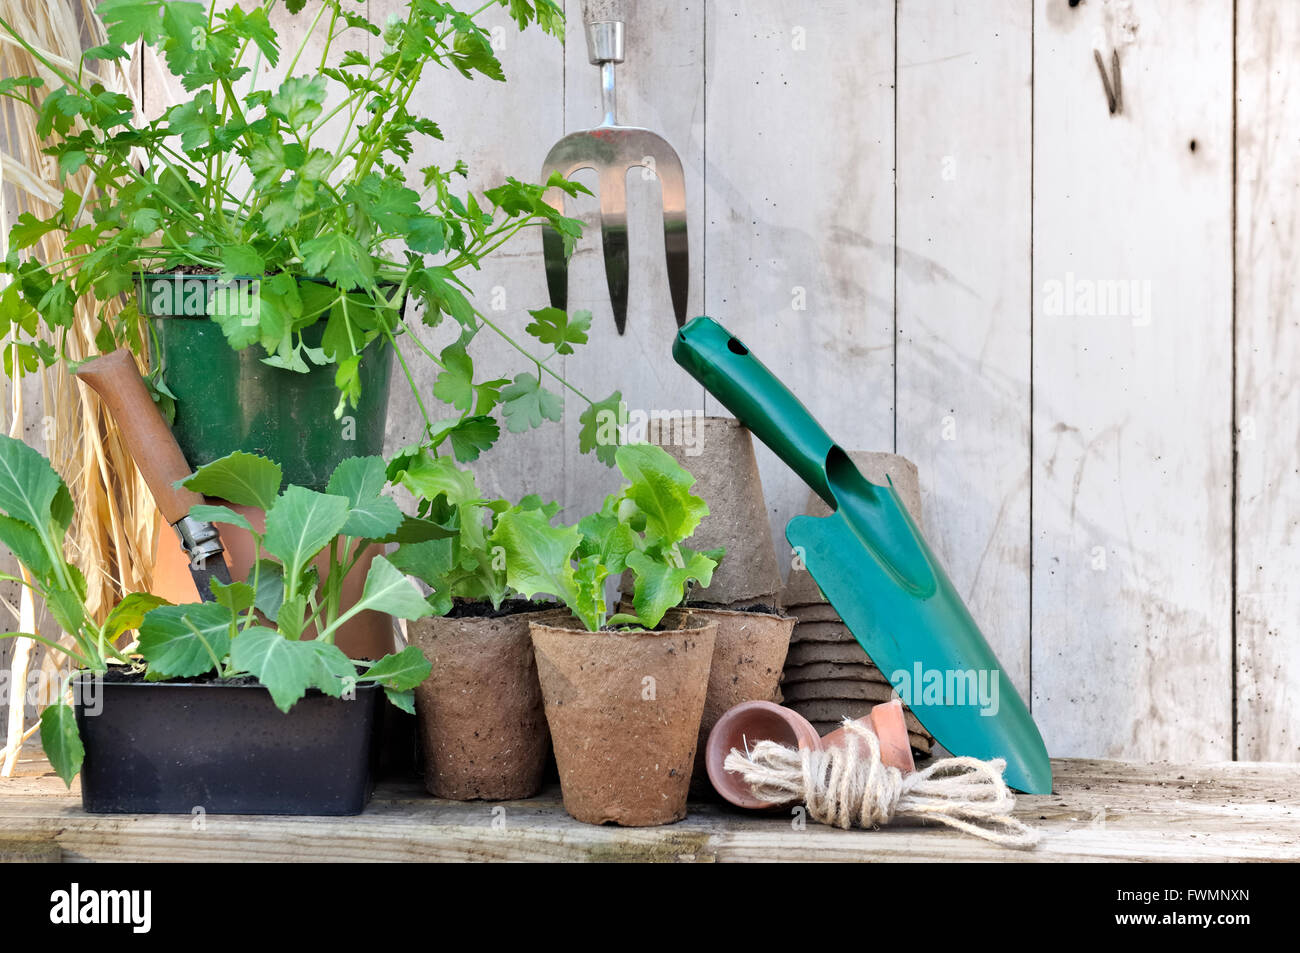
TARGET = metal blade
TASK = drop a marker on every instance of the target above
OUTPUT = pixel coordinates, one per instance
(557, 268)
(613, 236)
(566, 157)
(908, 617)
(214, 567)
(672, 182)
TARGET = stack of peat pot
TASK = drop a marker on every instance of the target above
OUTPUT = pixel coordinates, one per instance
(827, 674)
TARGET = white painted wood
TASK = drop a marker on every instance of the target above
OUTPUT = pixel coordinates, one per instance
(1268, 397)
(1132, 438)
(660, 87)
(964, 100)
(799, 208)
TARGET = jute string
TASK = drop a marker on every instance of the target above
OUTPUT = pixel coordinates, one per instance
(847, 786)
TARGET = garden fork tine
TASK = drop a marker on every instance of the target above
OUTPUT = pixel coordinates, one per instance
(612, 150)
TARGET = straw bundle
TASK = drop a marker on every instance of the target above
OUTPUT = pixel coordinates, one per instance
(113, 535)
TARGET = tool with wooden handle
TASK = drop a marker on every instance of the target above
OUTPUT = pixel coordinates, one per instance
(611, 150)
(115, 378)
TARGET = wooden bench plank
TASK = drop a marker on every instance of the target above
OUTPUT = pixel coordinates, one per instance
(1101, 810)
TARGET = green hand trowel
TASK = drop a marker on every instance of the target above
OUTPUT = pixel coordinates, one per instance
(875, 568)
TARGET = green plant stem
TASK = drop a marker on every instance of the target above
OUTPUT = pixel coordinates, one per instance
(49, 644)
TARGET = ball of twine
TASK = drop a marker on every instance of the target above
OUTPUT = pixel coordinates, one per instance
(849, 785)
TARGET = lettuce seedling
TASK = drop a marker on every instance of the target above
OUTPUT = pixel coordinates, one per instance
(466, 564)
(641, 529)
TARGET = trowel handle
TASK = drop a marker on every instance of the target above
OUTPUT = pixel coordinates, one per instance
(721, 362)
(147, 437)
(604, 21)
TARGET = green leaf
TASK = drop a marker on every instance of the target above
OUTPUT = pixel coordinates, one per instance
(242, 261)
(401, 671)
(299, 100)
(184, 640)
(361, 481)
(403, 700)
(335, 672)
(219, 514)
(62, 741)
(388, 590)
(29, 230)
(68, 608)
(238, 597)
(662, 490)
(471, 436)
(270, 587)
(589, 605)
(553, 326)
(527, 403)
(657, 587)
(300, 524)
(285, 667)
(130, 612)
(25, 543)
(455, 384)
(538, 555)
(28, 484)
(340, 259)
(599, 427)
(430, 478)
(238, 477)
(280, 215)
(430, 560)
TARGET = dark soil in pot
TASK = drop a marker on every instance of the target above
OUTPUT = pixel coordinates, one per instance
(482, 725)
(221, 745)
(624, 710)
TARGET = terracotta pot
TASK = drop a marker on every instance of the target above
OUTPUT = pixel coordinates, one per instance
(719, 453)
(750, 722)
(624, 712)
(482, 726)
(367, 635)
(748, 656)
(739, 728)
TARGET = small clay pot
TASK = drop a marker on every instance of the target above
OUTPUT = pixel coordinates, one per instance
(748, 656)
(482, 725)
(750, 722)
(740, 727)
(624, 711)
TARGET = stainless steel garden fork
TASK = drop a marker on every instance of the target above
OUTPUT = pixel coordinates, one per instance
(612, 150)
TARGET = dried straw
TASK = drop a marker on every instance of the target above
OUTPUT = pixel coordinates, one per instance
(113, 536)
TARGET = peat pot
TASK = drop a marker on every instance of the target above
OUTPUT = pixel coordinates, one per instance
(748, 656)
(624, 711)
(177, 747)
(482, 723)
(229, 400)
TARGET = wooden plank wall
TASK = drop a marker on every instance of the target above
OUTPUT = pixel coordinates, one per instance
(1267, 397)
(904, 207)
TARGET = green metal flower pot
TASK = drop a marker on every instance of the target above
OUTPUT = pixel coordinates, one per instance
(229, 400)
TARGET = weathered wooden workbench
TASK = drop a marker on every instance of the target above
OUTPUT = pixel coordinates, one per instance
(1102, 810)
